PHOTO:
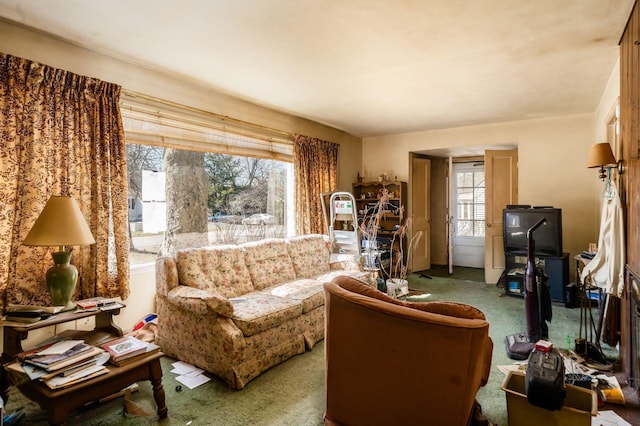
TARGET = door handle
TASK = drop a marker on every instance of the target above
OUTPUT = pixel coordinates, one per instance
(488, 225)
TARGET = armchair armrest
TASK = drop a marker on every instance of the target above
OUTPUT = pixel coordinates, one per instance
(200, 301)
(488, 354)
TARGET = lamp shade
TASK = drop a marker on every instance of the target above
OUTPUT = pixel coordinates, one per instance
(60, 223)
(600, 155)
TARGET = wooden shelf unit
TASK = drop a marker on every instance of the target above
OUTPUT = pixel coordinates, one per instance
(367, 194)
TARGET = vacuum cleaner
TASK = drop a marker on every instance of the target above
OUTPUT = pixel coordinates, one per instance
(537, 300)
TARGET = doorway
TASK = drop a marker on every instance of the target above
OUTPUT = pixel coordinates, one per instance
(499, 165)
(468, 214)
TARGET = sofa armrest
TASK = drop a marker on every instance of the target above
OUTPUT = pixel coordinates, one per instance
(166, 275)
(200, 301)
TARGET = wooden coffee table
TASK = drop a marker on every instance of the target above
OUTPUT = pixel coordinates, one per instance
(59, 403)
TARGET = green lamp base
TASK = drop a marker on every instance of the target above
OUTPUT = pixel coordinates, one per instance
(61, 280)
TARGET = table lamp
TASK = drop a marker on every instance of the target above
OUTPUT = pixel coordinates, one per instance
(61, 224)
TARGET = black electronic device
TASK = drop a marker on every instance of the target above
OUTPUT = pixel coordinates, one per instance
(544, 383)
(516, 222)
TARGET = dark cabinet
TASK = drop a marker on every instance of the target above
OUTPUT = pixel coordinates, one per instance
(556, 268)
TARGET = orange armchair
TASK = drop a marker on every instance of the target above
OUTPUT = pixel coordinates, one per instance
(390, 362)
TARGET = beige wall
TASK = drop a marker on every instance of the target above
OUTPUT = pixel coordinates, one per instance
(603, 114)
(552, 155)
(608, 101)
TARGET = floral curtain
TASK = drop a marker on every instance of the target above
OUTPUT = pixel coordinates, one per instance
(316, 171)
(60, 134)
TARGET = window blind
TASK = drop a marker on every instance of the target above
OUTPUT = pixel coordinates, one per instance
(152, 121)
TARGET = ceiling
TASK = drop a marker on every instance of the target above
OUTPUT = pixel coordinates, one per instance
(369, 67)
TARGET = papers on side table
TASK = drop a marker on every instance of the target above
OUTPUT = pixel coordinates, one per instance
(60, 347)
(189, 375)
(61, 364)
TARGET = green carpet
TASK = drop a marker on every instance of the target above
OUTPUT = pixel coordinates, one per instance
(458, 273)
(292, 393)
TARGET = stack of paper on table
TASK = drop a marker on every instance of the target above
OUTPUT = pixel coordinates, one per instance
(96, 302)
(28, 314)
(62, 363)
(151, 349)
(47, 309)
(125, 347)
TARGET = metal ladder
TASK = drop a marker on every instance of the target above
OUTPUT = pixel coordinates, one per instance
(344, 213)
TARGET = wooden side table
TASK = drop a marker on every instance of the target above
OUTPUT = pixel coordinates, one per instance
(59, 403)
(15, 333)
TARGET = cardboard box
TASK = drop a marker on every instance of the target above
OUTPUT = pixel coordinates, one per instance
(579, 405)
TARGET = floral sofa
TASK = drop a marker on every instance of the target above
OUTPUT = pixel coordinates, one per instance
(238, 310)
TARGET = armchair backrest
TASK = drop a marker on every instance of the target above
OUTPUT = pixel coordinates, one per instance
(393, 362)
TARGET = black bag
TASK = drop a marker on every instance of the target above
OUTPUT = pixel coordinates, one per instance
(544, 384)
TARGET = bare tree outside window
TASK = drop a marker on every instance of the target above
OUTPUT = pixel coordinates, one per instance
(202, 199)
(186, 198)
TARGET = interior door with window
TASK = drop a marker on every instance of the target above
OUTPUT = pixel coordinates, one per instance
(468, 214)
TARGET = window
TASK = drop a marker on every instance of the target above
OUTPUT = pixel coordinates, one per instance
(194, 181)
(470, 212)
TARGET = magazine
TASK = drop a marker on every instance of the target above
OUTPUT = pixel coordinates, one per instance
(124, 347)
(51, 362)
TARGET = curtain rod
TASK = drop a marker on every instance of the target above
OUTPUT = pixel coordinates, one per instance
(135, 95)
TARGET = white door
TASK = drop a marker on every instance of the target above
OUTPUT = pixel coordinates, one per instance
(468, 214)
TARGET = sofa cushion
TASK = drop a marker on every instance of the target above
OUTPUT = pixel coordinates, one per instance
(309, 255)
(200, 301)
(307, 291)
(257, 312)
(220, 269)
(268, 262)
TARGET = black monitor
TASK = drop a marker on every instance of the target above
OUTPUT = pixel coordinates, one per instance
(548, 237)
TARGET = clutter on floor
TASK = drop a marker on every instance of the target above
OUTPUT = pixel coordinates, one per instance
(552, 380)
